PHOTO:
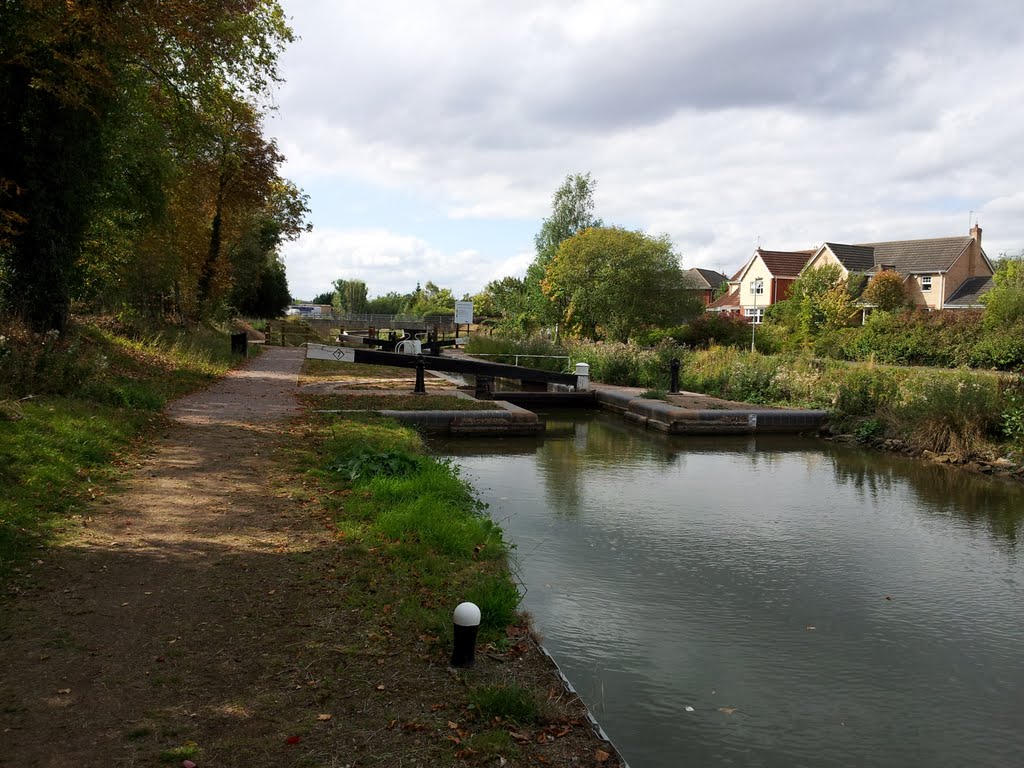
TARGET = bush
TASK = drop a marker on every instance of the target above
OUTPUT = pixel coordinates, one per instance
(948, 412)
(1012, 417)
(715, 329)
(866, 391)
(627, 365)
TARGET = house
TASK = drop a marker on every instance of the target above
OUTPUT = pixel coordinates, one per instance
(764, 280)
(939, 273)
(704, 283)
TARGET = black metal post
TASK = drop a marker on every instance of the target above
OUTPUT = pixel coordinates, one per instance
(421, 386)
(674, 384)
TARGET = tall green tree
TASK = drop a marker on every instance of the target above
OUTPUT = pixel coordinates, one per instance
(97, 98)
(820, 300)
(613, 282)
(350, 297)
(572, 211)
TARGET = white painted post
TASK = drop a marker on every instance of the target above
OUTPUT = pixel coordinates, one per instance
(582, 377)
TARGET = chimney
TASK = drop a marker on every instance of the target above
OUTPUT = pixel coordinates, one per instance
(976, 234)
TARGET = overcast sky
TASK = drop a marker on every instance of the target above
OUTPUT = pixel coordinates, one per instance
(430, 136)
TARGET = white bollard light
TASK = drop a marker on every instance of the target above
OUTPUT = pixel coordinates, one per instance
(582, 377)
(467, 623)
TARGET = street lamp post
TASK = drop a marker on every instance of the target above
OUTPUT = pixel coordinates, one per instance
(755, 286)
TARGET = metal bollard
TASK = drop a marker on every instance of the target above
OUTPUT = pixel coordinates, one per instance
(467, 622)
(582, 377)
(674, 383)
(421, 386)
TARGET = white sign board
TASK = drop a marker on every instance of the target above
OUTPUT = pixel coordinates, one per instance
(463, 312)
(324, 352)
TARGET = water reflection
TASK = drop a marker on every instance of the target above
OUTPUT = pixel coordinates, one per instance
(854, 608)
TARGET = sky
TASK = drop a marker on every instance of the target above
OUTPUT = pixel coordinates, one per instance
(431, 136)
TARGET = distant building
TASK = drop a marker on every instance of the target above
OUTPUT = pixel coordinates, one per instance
(762, 281)
(308, 310)
(939, 273)
(704, 283)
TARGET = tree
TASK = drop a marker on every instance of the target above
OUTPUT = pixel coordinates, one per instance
(509, 300)
(886, 291)
(349, 297)
(105, 111)
(572, 211)
(1004, 302)
(615, 281)
(323, 298)
(430, 300)
(820, 299)
(391, 303)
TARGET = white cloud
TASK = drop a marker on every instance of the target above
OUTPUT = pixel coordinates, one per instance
(714, 122)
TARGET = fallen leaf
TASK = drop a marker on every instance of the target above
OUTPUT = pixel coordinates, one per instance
(728, 710)
(601, 756)
(187, 764)
(453, 726)
(810, 627)
(324, 717)
(293, 739)
(380, 687)
(689, 709)
(519, 736)
(63, 690)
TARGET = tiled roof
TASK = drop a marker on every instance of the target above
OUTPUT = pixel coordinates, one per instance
(785, 263)
(856, 258)
(728, 300)
(908, 257)
(706, 279)
(969, 293)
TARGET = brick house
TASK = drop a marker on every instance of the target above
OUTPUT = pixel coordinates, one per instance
(764, 280)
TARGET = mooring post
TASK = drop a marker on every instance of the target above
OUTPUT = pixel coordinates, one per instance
(467, 622)
(674, 383)
(421, 386)
(582, 377)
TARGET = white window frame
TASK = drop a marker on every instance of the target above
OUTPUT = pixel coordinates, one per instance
(756, 316)
(926, 283)
(757, 286)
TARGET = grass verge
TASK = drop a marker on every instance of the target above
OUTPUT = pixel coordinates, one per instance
(74, 404)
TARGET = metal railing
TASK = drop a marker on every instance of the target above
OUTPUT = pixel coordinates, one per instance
(568, 362)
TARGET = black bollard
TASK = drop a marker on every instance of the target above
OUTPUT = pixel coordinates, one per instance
(674, 367)
(421, 386)
(467, 621)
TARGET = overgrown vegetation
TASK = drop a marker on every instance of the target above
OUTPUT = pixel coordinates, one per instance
(72, 403)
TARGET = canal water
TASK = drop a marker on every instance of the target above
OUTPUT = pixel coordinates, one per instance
(769, 601)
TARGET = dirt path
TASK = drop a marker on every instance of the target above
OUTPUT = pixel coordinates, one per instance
(162, 623)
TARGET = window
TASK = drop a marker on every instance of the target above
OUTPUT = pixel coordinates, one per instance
(754, 315)
(926, 282)
(757, 287)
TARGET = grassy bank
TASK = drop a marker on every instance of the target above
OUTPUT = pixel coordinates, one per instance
(413, 542)
(72, 405)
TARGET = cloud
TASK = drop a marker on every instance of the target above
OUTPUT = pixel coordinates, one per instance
(716, 123)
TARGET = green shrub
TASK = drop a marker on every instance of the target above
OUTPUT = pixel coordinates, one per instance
(498, 600)
(948, 412)
(1012, 417)
(865, 391)
(363, 463)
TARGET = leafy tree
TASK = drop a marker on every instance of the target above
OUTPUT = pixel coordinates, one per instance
(323, 298)
(617, 281)
(886, 291)
(349, 297)
(391, 303)
(1004, 303)
(108, 115)
(572, 211)
(431, 300)
(509, 300)
(820, 300)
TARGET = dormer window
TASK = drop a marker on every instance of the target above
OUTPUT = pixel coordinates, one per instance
(926, 283)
